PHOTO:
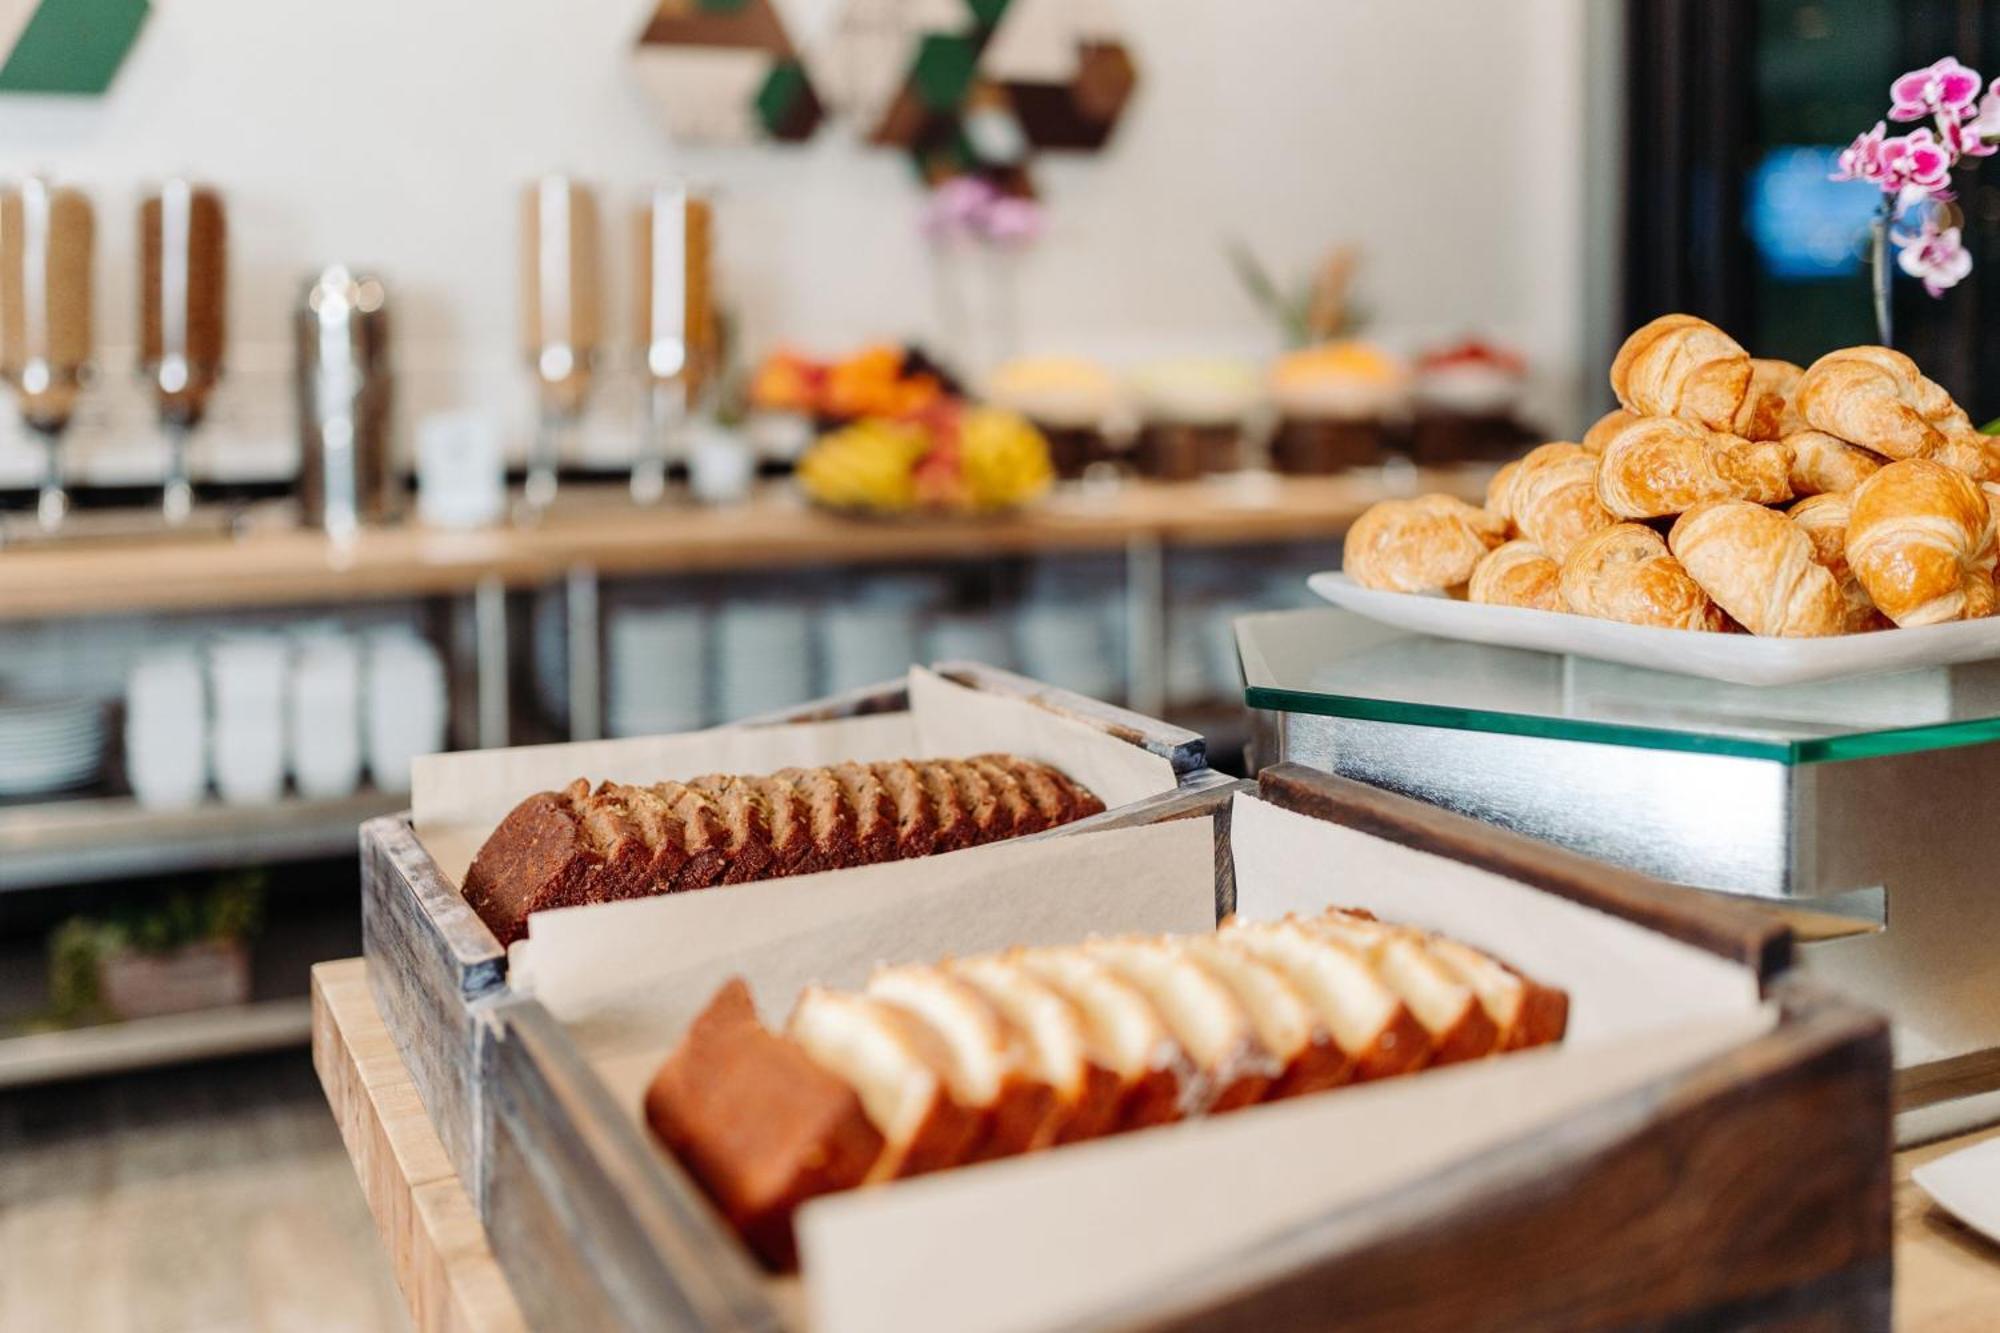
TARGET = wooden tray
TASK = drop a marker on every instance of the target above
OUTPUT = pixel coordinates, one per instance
(1751, 1188)
(436, 969)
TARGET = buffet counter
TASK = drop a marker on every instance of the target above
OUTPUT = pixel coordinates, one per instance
(602, 531)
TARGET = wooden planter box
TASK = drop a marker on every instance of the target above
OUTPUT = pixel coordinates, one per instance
(436, 970)
(1751, 1188)
(210, 975)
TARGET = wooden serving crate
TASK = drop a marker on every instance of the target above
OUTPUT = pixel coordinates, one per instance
(436, 969)
(1749, 1188)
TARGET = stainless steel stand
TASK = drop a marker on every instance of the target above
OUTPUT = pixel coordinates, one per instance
(1887, 864)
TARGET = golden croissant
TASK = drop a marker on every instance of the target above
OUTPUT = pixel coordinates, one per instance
(1420, 545)
(1626, 573)
(1877, 398)
(1821, 463)
(1767, 407)
(1921, 541)
(1552, 498)
(1760, 567)
(1658, 466)
(1518, 573)
(1680, 366)
(1824, 518)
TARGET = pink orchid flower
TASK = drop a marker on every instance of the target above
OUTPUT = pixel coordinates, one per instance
(1862, 159)
(1916, 161)
(1967, 139)
(1011, 220)
(1936, 255)
(1985, 125)
(957, 207)
(1945, 86)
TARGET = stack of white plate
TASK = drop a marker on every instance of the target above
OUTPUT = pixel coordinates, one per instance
(49, 745)
(763, 656)
(658, 666)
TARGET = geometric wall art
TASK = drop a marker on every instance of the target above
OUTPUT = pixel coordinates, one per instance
(960, 86)
(65, 46)
(726, 71)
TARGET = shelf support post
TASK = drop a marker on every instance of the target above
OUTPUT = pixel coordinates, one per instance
(489, 632)
(586, 679)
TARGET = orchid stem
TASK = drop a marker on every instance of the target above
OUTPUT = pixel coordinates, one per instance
(1884, 330)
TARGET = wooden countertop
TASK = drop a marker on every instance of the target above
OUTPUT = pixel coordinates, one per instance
(435, 1243)
(595, 527)
(1947, 1277)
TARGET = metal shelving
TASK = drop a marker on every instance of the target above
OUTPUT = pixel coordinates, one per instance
(105, 838)
(140, 1043)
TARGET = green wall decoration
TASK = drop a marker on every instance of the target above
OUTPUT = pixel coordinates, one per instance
(65, 46)
(960, 86)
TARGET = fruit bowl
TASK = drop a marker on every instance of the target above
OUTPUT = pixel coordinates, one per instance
(952, 459)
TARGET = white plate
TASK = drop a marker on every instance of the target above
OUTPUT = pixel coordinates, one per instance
(1966, 1184)
(1741, 659)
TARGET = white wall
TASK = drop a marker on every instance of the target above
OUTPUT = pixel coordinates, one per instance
(1445, 137)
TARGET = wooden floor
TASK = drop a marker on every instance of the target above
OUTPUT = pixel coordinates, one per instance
(211, 1198)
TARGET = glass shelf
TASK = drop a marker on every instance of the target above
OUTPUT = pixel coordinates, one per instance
(1337, 664)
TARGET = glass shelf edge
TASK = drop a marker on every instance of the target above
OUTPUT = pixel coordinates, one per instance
(1831, 749)
(1509, 724)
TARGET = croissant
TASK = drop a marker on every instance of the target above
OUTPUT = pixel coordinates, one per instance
(1626, 573)
(1500, 493)
(1821, 463)
(1877, 398)
(1759, 567)
(1824, 518)
(1680, 366)
(1553, 498)
(1967, 451)
(1518, 573)
(1658, 466)
(1768, 403)
(1605, 427)
(1420, 545)
(1921, 540)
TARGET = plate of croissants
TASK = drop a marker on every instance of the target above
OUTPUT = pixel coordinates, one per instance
(1743, 519)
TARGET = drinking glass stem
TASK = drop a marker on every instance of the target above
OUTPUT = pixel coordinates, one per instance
(666, 405)
(540, 489)
(177, 500)
(52, 504)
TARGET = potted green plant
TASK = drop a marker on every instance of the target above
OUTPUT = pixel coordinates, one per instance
(188, 951)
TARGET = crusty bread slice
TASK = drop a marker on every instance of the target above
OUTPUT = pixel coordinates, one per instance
(916, 821)
(1125, 1033)
(1449, 1009)
(664, 832)
(894, 1064)
(829, 822)
(618, 841)
(988, 1068)
(1309, 1059)
(991, 818)
(703, 837)
(1364, 1016)
(873, 810)
(748, 843)
(1022, 816)
(1055, 1044)
(1526, 1012)
(1230, 1065)
(1050, 798)
(810, 1134)
(955, 826)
